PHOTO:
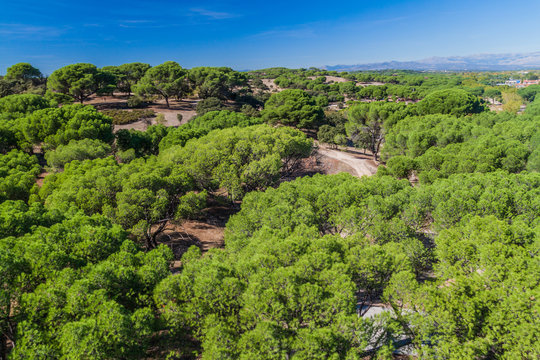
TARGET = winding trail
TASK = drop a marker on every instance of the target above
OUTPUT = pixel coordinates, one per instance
(361, 164)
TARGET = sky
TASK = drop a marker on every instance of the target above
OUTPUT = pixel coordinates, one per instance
(254, 34)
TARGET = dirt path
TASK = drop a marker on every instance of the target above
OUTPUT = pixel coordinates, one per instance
(361, 164)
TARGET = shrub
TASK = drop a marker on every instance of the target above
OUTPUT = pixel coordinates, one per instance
(126, 156)
(160, 119)
(249, 110)
(209, 104)
(121, 117)
(401, 166)
(135, 102)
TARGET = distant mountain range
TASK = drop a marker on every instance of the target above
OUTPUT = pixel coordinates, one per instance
(454, 63)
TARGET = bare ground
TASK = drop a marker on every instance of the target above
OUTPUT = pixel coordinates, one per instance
(41, 177)
(185, 107)
(371, 83)
(181, 236)
(206, 233)
(330, 79)
(354, 162)
(271, 85)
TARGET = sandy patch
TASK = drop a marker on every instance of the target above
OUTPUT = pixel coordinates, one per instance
(362, 165)
(271, 85)
(372, 83)
(330, 79)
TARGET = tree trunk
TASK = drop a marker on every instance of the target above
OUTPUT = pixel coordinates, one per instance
(3, 347)
(151, 238)
(167, 101)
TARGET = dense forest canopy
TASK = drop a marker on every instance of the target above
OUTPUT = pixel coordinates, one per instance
(443, 239)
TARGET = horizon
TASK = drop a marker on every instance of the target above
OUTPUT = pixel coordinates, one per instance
(298, 35)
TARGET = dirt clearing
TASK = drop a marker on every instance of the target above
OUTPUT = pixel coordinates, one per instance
(353, 162)
(184, 107)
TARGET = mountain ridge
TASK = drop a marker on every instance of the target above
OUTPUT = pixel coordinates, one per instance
(507, 61)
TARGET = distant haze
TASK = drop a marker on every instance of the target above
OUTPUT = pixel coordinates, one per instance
(454, 63)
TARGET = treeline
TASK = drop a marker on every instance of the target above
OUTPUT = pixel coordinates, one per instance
(397, 85)
(78, 82)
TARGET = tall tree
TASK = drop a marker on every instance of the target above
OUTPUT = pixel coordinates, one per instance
(366, 124)
(23, 72)
(79, 81)
(450, 101)
(293, 107)
(216, 82)
(167, 80)
(127, 75)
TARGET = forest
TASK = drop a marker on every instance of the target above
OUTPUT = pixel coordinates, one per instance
(434, 256)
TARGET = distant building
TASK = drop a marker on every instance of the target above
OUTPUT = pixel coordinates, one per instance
(531, 82)
(519, 83)
(512, 82)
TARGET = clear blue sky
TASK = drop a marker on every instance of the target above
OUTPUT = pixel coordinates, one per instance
(257, 34)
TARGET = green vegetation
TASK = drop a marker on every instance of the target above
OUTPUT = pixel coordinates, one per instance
(292, 107)
(216, 82)
(202, 125)
(241, 159)
(80, 81)
(17, 105)
(17, 174)
(56, 126)
(166, 80)
(77, 150)
(127, 75)
(453, 101)
(121, 117)
(437, 146)
(442, 241)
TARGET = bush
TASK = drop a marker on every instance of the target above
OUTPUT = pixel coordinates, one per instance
(401, 166)
(77, 150)
(58, 98)
(160, 119)
(135, 102)
(179, 117)
(332, 135)
(321, 100)
(249, 110)
(23, 104)
(202, 125)
(209, 104)
(121, 117)
(126, 156)
(57, 126)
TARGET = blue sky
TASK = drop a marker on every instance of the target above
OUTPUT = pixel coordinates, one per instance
(258, 34)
